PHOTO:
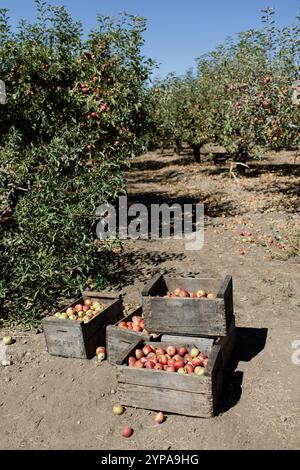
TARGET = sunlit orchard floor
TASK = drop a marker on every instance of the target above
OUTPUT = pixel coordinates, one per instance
(53, 403)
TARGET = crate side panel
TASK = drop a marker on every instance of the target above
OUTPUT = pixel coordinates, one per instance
(170, 401)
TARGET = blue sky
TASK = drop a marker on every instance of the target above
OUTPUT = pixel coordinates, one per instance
(178, 30)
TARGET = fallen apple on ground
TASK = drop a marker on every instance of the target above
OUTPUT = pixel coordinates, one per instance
(7, 340)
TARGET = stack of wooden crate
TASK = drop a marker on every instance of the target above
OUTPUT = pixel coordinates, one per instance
(204, 323)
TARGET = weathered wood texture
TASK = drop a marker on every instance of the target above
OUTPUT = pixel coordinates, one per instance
(118, 339)
(186, 316)
(189, 395)
(77, 339)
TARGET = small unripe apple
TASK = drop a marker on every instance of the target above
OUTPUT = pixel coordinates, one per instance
(199, 370)
(101, 357)
(194, 352)
(72, 317)
(64, 316)
(201, 293)
(118, 410)
(7, 340)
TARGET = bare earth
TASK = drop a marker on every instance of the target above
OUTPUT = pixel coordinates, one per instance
(251, 230)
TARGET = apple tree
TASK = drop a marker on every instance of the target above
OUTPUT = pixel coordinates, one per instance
(72, 122)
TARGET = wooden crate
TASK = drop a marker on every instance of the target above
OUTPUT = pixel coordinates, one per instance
(174, 393)
(118, 339)
(76, 339)
(187, 316)
(188, 395)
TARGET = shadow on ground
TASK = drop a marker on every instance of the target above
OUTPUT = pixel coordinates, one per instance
(249, 343)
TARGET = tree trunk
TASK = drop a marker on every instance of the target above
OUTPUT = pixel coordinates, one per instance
(196, 152)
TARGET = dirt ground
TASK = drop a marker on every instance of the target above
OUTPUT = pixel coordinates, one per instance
(251, 231)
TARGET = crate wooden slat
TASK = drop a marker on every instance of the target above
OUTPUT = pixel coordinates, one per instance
(118, 339)
(76, 339)
(187, 316)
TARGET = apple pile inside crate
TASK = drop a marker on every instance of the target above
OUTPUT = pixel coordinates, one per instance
(125, 332)
(200, 294)
(84, 311)
(170, 359)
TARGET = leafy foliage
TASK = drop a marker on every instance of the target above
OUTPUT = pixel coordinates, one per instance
(72, 122)
(240, 96)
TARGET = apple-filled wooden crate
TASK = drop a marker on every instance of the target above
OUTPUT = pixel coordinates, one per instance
(75, 338)
(182, 373)
(121, 335)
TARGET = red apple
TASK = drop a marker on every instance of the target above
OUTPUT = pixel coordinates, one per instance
(189, 368)
(142, 324)
(179, 292)
(127, 432)
(202, 356)
(171, 351)
(160, 351)
(179, 364)
(197, 362)
(163, 360)
(150, 365)
(158, 366)
(139, 353)
(143, 360)
(171, 362)
(182, 351)
(171, 369)
(136, 328)
(193, 295)
(188, 358)
(131, 361)
(205, 362)
(177, 357)
(147, 349)
(165, 366)
(78, 308)
(159, 418)
(86, 308)
(101, 349)
(139, 364)
(123, 325)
